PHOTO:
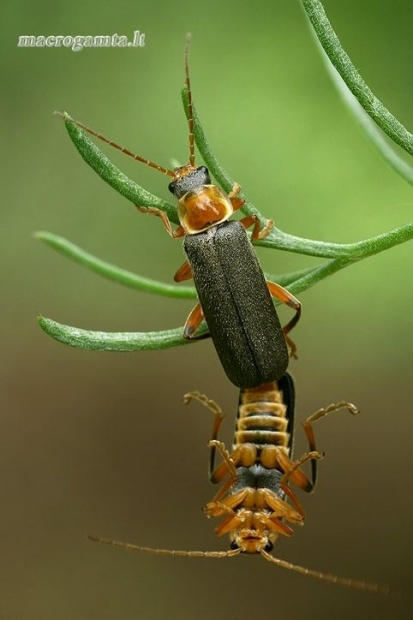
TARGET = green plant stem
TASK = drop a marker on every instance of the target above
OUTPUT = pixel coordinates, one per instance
(338, 256)
(368, 127)
(147, 341)
(114, 341)
(115, 274)
(341, 61)
(102, 165)
(276, 239)
(133, 280)
(304, 279)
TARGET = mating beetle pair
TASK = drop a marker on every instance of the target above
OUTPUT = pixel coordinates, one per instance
(236, 302)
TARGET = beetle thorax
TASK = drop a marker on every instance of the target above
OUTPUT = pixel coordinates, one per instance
(201, 205)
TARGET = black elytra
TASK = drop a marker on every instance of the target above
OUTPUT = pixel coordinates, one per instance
(237, 305)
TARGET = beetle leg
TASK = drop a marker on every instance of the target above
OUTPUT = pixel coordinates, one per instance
(234, 199)
(227, 467)
(218, 417)
(178, 232)
(184, 273)
(193, 322)
(280, 293)
(235, 190)
(309, 431)
(257, 233)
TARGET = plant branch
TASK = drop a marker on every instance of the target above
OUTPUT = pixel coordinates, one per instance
(113, 341)
(369, 128)
(115, 274)
(341, 61)
(102, 165)
(276, 239)
(133, 280)
(338, 256)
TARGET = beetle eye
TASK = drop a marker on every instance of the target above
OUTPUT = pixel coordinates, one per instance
(269, 546)
(234, 545)
(171, 187)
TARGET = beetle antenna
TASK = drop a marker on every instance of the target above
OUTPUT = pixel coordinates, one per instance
(174, 552)
(190, 109)
(68, 119)
(341, 581)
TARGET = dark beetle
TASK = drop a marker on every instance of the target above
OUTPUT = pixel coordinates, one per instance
(237, 305)
(234, 296)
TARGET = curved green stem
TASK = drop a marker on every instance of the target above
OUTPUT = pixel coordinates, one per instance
(133, 280)
(338, 256)
(144, 341)
(297, 283)
(370, 129)
(102, 165)
(113, 341)
(116, 274)
(342, 62)
(276, 239)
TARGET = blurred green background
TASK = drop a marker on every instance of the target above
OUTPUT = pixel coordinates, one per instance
(102, 443)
